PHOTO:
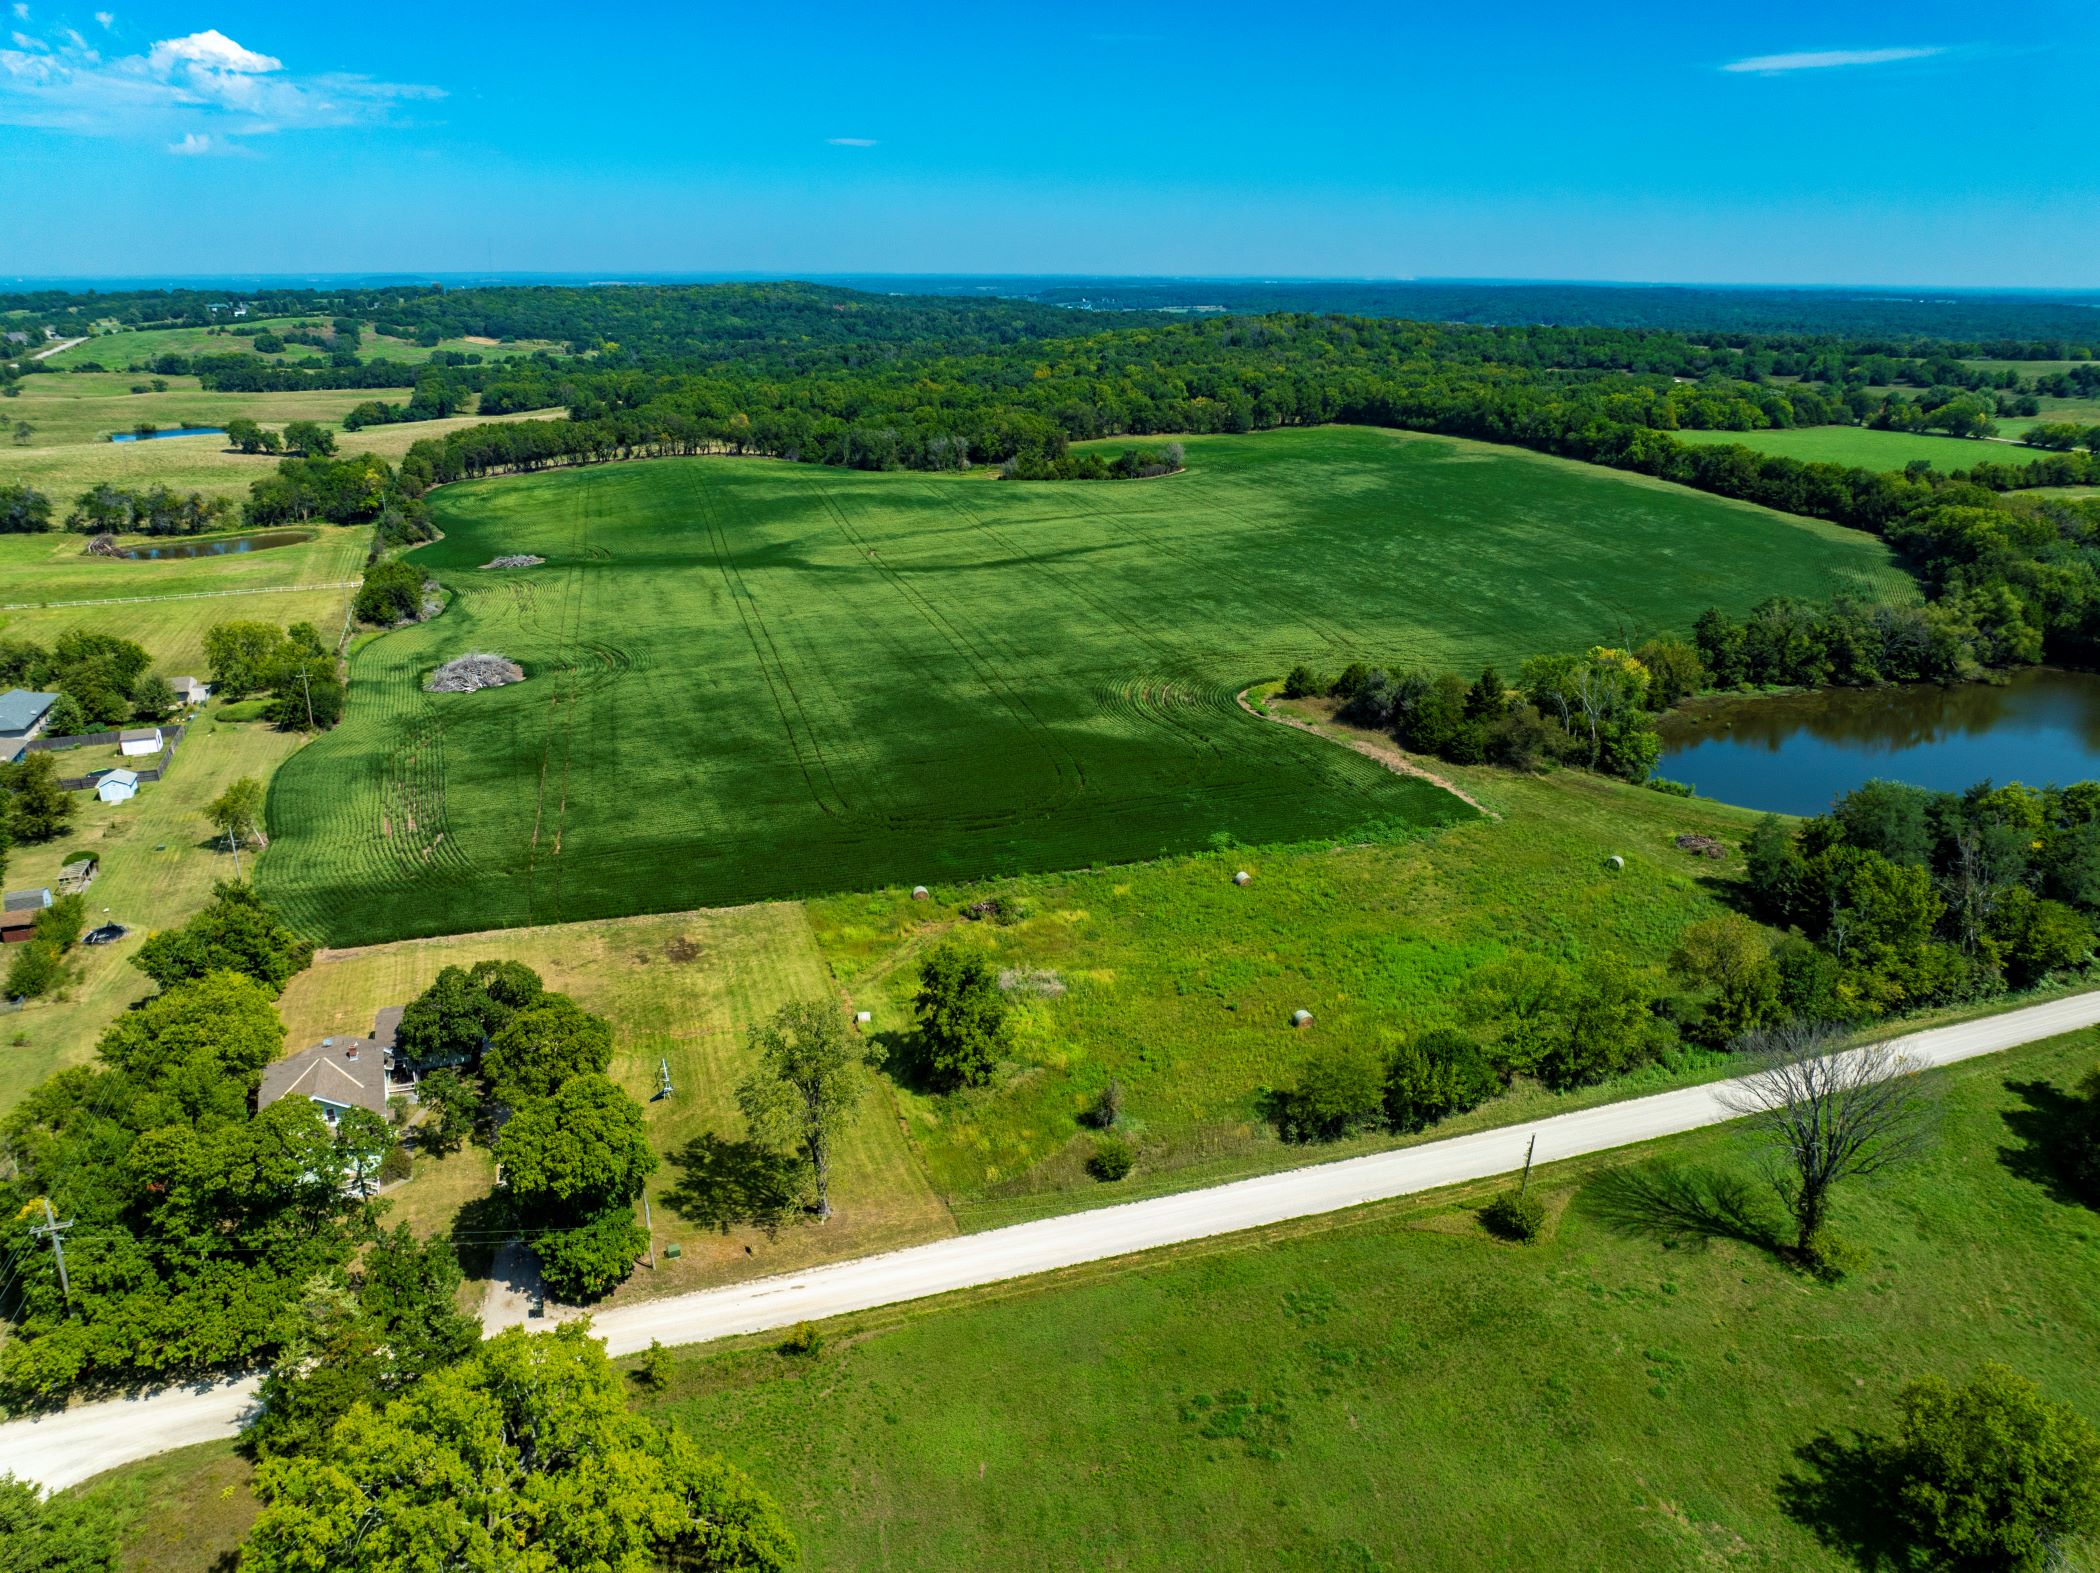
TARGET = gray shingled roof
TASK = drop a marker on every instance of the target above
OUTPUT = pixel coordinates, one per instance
(350, 1072)
(22, 708)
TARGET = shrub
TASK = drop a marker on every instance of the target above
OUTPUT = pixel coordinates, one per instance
(1435, 1075)
(1992, 1474)
(803, 1339)
(1107, 1108)
(1340, 1091)
(397, 1165)
(1303, 683)
(1514, 1215)
(1111, 1160)
(37, 969)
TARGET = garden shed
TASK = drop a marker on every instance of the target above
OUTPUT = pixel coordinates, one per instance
(139, 741)
(77, 875)
(118, 786)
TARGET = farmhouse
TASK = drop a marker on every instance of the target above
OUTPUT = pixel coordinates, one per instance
(190, 691)
(23, 713)
(137, 742)
(118, 786)
(339, 1074)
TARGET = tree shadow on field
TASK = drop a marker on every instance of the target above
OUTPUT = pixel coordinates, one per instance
(901, 1056)
(2046, 1126)
(1679, 1204)
(1843, 1494)
(724, 1183)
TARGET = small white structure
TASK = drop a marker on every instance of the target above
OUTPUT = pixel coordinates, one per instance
(1243, 878)
(118, 786)
(139, 742)
(190, 691)
(1301, 1018)
(1615, 861)
(863, 1017)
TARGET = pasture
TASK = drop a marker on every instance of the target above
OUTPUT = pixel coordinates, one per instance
(141, 346)
(751, 680)
(1646, 1387)
(1865, 448)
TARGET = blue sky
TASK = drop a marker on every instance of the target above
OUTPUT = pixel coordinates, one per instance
(1926, 143)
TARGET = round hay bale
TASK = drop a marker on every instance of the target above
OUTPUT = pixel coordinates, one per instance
(1243, 878)
(474, 671)
(1615, 861)
(1301, 1018)
(920, 893)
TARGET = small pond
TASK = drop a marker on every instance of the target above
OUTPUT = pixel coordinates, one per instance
(173, 431)
(223, 546)
(1794, 753)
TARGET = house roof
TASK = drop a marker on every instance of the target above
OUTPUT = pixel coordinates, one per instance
(121, 777)
(139, 734)
(81, 865)
(190, 685)
(350, 1072)
(28, 900)
(386, 1025)
(22, 708)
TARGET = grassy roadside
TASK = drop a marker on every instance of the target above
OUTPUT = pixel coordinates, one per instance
(1646, 1388)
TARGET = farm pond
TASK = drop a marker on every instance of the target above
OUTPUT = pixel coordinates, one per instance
(1794, 753)
(172, 431)
(223, 546)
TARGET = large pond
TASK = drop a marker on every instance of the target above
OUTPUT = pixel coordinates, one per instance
(222, 546)
(172, 431)
(1794, 753)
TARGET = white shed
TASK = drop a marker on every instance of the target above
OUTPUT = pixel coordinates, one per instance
(138, 742)
(118, 786)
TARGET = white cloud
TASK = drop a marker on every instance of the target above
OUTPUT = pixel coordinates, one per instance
(194, 144)
(106, 18)
(1825, 59)
(203, 82)
(212, 50)
(851, 141)
(21, 11)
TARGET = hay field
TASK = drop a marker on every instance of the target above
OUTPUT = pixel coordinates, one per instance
(752, 680)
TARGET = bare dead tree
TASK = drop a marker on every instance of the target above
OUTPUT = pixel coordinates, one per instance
(1824, 1114)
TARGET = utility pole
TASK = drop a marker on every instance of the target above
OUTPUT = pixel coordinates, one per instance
(649, 1228)
(1530, 1147)
(233, 845)
(307, 686)
(52, 1230)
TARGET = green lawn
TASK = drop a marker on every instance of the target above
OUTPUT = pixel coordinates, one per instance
(751, 679)
(140, 346)
(1865, 448)
(1644, 1389)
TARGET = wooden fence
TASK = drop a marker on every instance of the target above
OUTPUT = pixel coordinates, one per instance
(169, 735)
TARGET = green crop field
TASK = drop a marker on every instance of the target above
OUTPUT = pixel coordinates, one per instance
(1866, 448)
(752, 679)
(1644, 1388)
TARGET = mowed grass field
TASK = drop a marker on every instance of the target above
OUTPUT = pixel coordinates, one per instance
(1391, 1389)
(159, 861)
(141, 346)
(681, 991)
(72, 416)
(751, 680)
(1865, 448)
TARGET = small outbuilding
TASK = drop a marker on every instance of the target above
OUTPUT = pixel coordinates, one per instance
(26, 900)
(190, 691)
(77, 875)
(139, 742)
(118, 786)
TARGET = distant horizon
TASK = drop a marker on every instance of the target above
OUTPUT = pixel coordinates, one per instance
(613, 278)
